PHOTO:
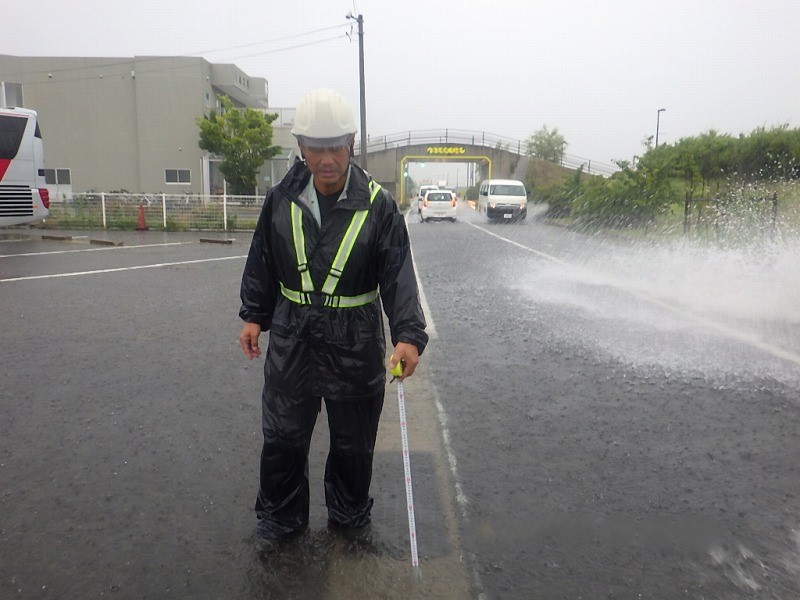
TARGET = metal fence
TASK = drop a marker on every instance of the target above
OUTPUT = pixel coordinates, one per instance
(734, 217)
(167, 212)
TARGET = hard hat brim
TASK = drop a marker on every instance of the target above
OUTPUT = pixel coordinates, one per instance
(335, 142)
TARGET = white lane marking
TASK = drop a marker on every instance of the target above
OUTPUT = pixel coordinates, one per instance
(742, 336)
(93, 249)
(461, 497)
(518, 245)
(430, 329)
(100, 271)
(747, 338)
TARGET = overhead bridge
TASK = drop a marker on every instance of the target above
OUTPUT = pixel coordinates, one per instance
(496, 156)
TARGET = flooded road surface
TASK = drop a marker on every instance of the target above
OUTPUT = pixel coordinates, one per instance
(626, 418)
(592, 419)
(130, 440)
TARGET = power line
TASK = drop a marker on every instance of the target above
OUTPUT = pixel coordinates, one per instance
(196, 54)
(288, 37)
(337, 37)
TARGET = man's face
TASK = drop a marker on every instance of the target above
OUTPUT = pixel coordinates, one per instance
(329, 166)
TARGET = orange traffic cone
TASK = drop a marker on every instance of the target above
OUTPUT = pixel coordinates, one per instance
(142, 224)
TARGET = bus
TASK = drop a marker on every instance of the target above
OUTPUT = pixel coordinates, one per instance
(23, 193)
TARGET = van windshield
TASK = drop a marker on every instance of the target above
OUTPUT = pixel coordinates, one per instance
(507, 190)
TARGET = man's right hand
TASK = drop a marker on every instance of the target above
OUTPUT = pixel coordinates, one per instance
(248, 338)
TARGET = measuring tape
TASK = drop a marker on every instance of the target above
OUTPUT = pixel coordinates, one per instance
(412, 526)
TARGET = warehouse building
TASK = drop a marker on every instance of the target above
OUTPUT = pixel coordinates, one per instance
(112, 124)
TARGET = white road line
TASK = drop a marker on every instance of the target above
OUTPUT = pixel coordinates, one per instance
(518, 245)
(461, 497)
(100, 271)
(93, 249)
(747, 338)
(430, 329)
(742, 336)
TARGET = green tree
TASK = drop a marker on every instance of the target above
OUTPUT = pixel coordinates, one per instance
(630, 197)
(548, 145)
(769, 154)
(560, 198)
(242, 138)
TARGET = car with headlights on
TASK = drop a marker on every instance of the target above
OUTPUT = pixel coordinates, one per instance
(438, 205)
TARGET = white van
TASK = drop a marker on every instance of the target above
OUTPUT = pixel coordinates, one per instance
(503, 199)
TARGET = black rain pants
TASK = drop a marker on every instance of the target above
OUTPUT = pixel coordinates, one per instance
(287, 423)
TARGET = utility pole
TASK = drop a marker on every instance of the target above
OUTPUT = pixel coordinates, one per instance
(360, 20)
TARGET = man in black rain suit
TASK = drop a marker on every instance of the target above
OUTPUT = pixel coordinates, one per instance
(329, 248)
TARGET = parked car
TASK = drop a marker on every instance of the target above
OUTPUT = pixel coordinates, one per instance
(438, 205)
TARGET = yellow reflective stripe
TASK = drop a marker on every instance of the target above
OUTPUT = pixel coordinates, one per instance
(346, 246)
(348, 241)
(298, 297)
(330, 301)
(375, 187)
(350, 301)
(339, 262)
(300, 248)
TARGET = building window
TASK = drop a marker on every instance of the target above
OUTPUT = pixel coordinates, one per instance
(178, 176)
(58, 176)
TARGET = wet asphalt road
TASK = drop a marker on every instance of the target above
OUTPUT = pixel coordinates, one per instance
(130, 439)
(572, 437)
(616, 435)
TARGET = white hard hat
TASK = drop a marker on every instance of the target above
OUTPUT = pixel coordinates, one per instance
(324, 118)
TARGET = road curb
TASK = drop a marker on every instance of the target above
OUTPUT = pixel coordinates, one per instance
(105, 243)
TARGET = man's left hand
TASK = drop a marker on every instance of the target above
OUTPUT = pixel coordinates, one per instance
(407, 353)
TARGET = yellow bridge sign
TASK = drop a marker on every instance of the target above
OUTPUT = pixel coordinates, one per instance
(446, 150)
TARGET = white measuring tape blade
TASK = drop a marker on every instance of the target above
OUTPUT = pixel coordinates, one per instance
(412, 526)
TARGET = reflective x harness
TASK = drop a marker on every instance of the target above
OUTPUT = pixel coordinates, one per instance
(308, 295)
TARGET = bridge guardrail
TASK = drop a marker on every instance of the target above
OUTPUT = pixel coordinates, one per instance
(476, 138)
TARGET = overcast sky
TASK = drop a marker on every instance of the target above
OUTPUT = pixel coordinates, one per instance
(598, 70)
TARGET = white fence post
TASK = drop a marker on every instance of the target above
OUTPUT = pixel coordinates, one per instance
(164, 208)
(224, 205)
(103, 206)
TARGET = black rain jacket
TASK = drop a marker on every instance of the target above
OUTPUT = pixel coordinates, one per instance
(337, 353)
